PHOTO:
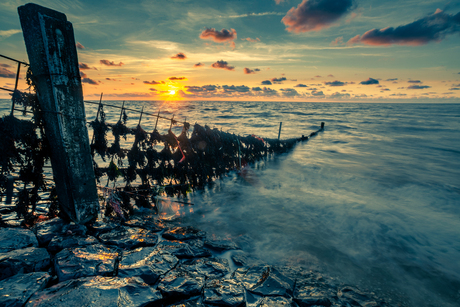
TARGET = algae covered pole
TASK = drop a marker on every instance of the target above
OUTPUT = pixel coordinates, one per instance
(51, 48)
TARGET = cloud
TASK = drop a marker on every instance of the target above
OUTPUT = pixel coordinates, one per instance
(279, 1)
(83, 75)
(300, 85)
(338, 41)
(79, 46)
(84, 66)
(251, 40)
(393, 79)
(8, 33)
(89, 81)
(265, 91)
(316, 93)
(129, 95)
(330, 76)
(454, 89)
(318, 76)
(110, 79)
(239, 89)
(202, 89)
(221, 36)
(266, 82)
(222, 65)
(108, 63)
(414, 81)
(335, 83)
(179, 56)
(369, 81)
(398, 94)
(315, 15)
(417, 87)
(289, 92)
(177, 78)
(153, 82)
(198, 65)
(278, 80)
(340, 95)
(422, 31)
(248, 71)
(6, 73)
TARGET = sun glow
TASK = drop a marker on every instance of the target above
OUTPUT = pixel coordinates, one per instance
(172, 92)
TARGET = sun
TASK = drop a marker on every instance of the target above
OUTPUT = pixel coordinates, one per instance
(172, 92)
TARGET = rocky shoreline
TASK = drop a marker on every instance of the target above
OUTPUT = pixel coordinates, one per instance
(148, 262)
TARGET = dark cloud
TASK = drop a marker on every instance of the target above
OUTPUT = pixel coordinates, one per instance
(84, 66)
(153, 89)
(239, 89)
(108, 63)
(278, 80)
(79, 46)
(177, 78)
(427, 29)
(223, 35)
(198, 65)
(393, 79)
(6, 65)
(335, 83)
(222, 65)
(135, 94)
(330, 76)
(256, 89)
(314, 15)
(369, 81)
(89, 81)
(179, 56)
(300, 85)
(385, 89)
(266, 82)
(414, 81)
(83, 75)
(202, 89)
(289, 92)
(266, 91)
(6, 73)
(398, 94)
(110, 79)
(248, 71)
(454, 89)
(339, 95)
(417, 87)
(153, 82)
(316, 93)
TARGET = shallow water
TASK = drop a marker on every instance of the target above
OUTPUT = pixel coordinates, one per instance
(374, 199)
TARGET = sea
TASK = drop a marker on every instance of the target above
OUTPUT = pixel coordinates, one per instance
(372, 201)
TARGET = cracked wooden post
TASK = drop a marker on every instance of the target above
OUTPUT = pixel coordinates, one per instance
(50, 44)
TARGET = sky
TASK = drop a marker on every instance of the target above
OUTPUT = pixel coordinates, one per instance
(260, 50)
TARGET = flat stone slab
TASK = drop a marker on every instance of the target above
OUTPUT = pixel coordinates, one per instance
(148, 224)
(91, 260)
(147, 263)
(129, 238)
(16, 290)
(183, 250)
(16, 238)
(183, 233)
(45, 231)
(61, 242)
(267, 280)
(179, 284)
(223, 292)
(26, 260)
(210, 267)
(97, 291)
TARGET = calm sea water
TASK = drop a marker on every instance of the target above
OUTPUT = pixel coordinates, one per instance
(373, 200)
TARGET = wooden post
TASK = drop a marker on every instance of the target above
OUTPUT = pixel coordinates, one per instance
(50, 44)
(279, 132)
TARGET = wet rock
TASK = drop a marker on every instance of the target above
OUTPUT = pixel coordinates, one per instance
(16, 290)
(147, 263)
(74, 229)
(26, 260)
(180, 284)
(354, 297)
(183, 250)
(245, 260)
(91, 260)
(129, 238)
(252, 300)
(58, 243)
(210, 267)
(220, 245)
(183, 233)
(16, 238)
(267, 280)
(97, 291)
(45, 231)
(307, 294)
(224, 292)
(276, 301)
(99, 227)
(192, 302)
(148, 224)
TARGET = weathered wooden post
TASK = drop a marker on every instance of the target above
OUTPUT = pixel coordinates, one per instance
(50, 44)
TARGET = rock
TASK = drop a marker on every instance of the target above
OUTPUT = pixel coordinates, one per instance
(179, 284)
(47, 230)
(147, 263)
(16, 238)
(16, 290)
(354, 297)
(210, 267)
(224, 292)
(311, 295)
(267, 280)
(99, 227)
(129, 238)
(58, 243)
(97, 291)
(245, 260)
(275, 301)
(183, 233)
(148, 224)
(91, 260)
(221, 245)
(74, 229)
(182, 249)
(26, 260)
(192, 302)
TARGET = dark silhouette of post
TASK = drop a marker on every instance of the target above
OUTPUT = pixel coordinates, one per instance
(50, 44)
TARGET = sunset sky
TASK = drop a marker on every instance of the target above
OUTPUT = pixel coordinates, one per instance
(303, 50)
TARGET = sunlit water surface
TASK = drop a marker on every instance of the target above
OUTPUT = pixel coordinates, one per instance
(373, 200)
